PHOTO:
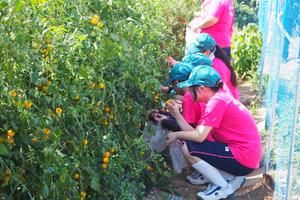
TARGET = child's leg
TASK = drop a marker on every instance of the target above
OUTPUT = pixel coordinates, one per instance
(235, 181)
(211, 173)
(218, 188)
(207, 170)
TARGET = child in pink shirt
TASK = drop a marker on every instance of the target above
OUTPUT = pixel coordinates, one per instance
(191, 110)
(237, 146)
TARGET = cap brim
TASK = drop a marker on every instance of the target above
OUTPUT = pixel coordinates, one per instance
(184, 84)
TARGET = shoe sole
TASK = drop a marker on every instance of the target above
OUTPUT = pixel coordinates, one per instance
(199, 198)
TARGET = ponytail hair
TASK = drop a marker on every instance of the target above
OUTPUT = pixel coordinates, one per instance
(219, 53)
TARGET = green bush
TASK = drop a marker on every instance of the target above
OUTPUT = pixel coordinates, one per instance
(77, 78)
(245, 12)
(246, 49)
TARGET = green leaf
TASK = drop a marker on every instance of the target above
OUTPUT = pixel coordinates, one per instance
(3, 150)
(114, 37)
(2, 5)
(95, 184)
(13, 125)
(46, 190)
(34, 77)
(125, 45)
(19, 5)
(83, 73)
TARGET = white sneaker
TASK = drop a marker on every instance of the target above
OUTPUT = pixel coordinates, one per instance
(214, 192)
(197, 179)
(210, 187)
(237, 182)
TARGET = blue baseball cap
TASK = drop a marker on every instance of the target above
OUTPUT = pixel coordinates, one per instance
(197, 59)
(203, 75)
(203, 42)
(179, 72)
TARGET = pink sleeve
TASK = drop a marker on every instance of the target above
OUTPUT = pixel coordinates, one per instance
(214, 113)
(188, 110)
(215, 9)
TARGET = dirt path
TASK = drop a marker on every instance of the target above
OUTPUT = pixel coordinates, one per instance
(256, 187)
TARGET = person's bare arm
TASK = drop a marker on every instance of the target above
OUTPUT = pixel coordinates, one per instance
(171, 61)
(206, 23)
(174, 107)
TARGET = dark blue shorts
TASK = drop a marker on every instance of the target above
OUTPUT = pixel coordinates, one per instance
(218, 155)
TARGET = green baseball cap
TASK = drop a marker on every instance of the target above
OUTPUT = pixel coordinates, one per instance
(203, 42)
(179, 72)
(197, 59)
(203, 75)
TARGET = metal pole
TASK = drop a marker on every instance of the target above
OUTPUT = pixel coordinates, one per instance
(294, 130)
(264, 27)
(273, 103)
(272, 117)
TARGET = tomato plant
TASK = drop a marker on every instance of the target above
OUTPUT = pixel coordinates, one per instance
(77, 79)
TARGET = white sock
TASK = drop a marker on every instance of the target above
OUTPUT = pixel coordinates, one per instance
(211, 173)
(227, 176)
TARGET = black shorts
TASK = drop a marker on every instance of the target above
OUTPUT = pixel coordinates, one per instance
(218, 155)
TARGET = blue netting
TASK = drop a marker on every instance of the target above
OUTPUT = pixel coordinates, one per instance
(279, 21)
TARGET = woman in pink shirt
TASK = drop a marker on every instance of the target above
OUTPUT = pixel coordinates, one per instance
(216, 18)
(237, 146)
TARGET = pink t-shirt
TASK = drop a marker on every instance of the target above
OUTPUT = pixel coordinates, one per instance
(222, 30)
(225, 74)
(191, 110)
(234, 125)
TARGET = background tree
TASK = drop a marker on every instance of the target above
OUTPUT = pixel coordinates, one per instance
(245, 12)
